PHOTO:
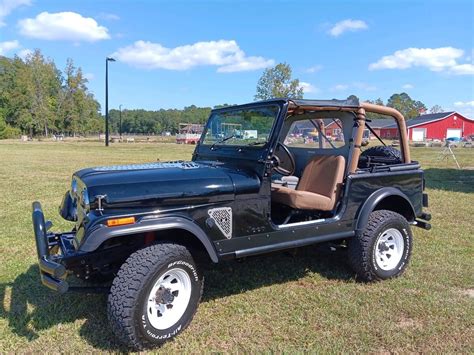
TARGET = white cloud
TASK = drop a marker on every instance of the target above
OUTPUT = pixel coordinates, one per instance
(108, 16)
(407, 86)
(7, 6)
(8, 46)
(314, 69)
(308, 88)
(360, 86)
(435, 59)
(69, 26)
(364, 86)
(340, 87)
(463, 69)
(465, 108)
(89, 76)
(347, 26)
(24, 53)
(464, 104)
(226, 55)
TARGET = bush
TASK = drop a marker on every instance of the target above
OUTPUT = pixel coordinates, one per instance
(7, 131)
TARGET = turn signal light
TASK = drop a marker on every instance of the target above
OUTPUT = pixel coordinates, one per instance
(120, 221)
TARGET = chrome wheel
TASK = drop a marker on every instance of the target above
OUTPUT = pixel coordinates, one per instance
(389, 249)
(169, 298)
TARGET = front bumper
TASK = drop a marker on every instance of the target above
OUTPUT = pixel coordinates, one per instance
(50, 248)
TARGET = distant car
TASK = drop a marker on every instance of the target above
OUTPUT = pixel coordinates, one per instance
(453, 139)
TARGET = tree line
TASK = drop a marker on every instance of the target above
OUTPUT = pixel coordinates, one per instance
(156, 122)
(36, 98)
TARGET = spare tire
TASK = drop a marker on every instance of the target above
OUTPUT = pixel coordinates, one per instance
(380, 155)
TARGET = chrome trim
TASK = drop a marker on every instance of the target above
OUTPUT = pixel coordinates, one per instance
(297, 224)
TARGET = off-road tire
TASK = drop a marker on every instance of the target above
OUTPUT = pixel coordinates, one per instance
(127, 301)
(362, 247)
(381, 151)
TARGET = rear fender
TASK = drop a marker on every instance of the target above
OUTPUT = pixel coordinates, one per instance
(104, 233)
(400, 203)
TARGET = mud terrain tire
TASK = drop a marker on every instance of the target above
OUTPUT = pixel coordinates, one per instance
(142, 294)
(382, 251)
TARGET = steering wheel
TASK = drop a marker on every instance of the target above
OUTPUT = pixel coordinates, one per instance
(284, 165)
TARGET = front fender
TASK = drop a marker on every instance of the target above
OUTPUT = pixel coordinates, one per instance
(103, 233)
(374, 199)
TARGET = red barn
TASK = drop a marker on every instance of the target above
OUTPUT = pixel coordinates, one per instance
(434, 126)
(333, 129)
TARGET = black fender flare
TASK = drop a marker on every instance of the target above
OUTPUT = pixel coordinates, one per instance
(103, 233)
(373, 200)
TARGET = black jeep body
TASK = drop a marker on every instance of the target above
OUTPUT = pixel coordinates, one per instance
(220, 203)
(166, 198)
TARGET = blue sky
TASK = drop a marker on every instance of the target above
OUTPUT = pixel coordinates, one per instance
(177, 53)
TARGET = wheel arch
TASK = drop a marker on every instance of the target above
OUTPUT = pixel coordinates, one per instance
(192, 234)
(388, 198)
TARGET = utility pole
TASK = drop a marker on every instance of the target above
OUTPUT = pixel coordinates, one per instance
(107, 60)
(120, 121)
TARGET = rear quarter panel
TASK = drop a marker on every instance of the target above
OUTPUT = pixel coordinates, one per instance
(360, 186)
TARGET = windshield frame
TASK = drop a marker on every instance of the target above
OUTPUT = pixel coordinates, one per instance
(213, 146)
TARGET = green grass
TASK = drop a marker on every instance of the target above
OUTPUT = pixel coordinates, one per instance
(309, 301)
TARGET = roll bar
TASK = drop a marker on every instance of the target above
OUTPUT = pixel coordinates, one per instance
(402, 127)
(361, 117)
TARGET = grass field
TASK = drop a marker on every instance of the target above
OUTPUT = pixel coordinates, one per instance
(278, 302)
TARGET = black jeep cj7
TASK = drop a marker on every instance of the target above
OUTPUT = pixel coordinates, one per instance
(264, 177)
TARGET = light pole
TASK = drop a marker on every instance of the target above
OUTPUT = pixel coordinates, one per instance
(120, 121)
(107, 60)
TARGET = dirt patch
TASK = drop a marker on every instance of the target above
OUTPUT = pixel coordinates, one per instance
(406, 322)
(468, 292)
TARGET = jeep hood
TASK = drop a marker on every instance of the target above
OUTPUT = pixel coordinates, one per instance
(165, 183)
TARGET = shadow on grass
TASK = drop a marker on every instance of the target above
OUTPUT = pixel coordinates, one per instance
(450, 179)
(236, 277)
(30, 307)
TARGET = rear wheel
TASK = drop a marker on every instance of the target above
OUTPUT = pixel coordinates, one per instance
(383, 249)
(154, 296)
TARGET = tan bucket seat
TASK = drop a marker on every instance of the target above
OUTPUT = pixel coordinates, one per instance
(318, 188)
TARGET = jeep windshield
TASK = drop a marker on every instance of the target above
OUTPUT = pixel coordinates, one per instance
(240, 127)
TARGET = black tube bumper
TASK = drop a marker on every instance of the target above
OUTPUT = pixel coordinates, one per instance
(52, 272)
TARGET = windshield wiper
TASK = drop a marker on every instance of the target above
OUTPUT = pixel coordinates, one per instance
(222, 141)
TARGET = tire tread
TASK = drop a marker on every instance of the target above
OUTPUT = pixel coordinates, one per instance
(131, 278)
(360, 246)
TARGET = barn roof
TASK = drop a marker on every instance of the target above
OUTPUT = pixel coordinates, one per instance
(411, 122)
(380, 122)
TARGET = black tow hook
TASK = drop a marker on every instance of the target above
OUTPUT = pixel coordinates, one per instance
(426, 216)
(422, 224)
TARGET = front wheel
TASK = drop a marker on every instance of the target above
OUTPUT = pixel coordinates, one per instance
(383, 249)
(154, 296)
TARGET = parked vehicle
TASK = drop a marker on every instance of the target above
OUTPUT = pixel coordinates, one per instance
(453, 142)
(150, 226)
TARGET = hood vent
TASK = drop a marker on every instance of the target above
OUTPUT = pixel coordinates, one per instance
(180, 164)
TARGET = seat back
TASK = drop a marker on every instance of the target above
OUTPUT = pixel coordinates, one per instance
(323, 175)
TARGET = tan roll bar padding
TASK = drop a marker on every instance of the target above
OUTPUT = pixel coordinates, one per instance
(402, 127)
(357, 140)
